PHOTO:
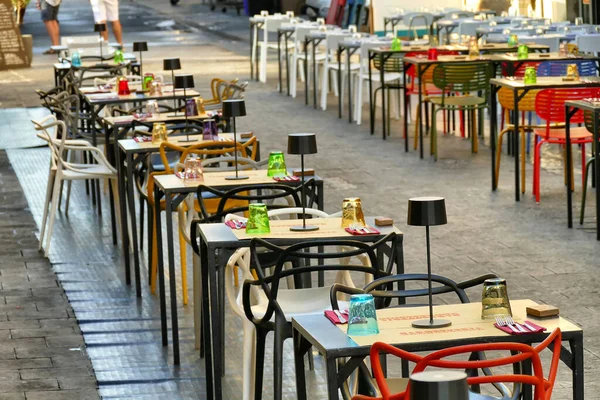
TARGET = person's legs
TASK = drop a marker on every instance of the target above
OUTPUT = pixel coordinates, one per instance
(99, 10)
(105, 33)
(49, 16)
(117, 31)
(112, 14)
(53, 31)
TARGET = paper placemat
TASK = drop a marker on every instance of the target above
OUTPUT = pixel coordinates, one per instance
(280, 229)
(395, 323)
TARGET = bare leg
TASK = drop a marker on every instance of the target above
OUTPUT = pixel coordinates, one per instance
(53, 31)
(105, 33)
(117, 31)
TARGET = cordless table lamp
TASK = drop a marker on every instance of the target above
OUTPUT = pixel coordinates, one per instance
(232, 109)
(302, 143)
(100, 28)
(140, 47)
(428, 211)
(172, 64)
(439, 385)
(184, 82)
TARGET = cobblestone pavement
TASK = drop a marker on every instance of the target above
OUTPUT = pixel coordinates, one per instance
(528, 244)
(42, 353)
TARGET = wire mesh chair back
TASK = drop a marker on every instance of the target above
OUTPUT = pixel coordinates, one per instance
(506, 99)
(559, 68)
(393, 63)
(309, 257)
(465, 78)
(588, 118)
(520, 71)
(550, 104)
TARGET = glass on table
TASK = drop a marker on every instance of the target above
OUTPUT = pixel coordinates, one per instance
(522, 52)
(352, 213)
(159, 132)
(362, 317)
(276, 166)
(494, 299)
(530, 76)
(258, 219)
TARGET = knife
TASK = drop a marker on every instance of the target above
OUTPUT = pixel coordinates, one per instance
(340, 316)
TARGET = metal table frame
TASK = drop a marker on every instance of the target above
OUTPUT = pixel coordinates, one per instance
(314, 38)
(286, 33)
(350, 47)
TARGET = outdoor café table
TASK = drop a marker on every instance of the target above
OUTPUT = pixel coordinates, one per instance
(395, 328)
(520, 89)
(62, 69)
(571, 107)
(449, 25)
(384, 53)
(392, 20)
(175, 190)
(215, 237)
(128, 151)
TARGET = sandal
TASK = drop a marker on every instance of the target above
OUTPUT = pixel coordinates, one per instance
(50, 51)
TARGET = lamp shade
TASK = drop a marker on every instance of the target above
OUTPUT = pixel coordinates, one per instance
(99, 27)
(439, 385)
(140, 46)
(234, 108)
(171, 64)
(426, 211)
(302, 143)
(184, 81)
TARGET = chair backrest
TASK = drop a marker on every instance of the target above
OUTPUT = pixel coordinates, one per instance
(463, 78)
(334, 39)
(306, 258)
(559, 68)
(507, 68)
(507, 100)
(236, 200)
(550, 104)
(588, 43)
(227, 163)
(588, 118)
(415, 21)
(335, 15)
(469, 28)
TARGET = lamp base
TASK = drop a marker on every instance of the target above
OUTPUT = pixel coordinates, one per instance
(236, 178)
(187, 140)
(306, 228)
(427, 324)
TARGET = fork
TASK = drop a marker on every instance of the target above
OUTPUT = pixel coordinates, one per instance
(519, 326)
(502, 322)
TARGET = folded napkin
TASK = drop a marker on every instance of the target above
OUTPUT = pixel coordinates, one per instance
(334, 318)
(363, 231)
(142, 139)
(236, 224)
(142, 116)
(286, 178)
(506, 329)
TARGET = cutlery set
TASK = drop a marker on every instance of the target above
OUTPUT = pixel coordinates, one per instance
(515, 327)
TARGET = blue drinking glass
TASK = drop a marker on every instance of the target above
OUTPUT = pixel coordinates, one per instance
(362, 318)
(76, 59)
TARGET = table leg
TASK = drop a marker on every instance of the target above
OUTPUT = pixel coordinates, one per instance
(406, 110)
(161, 272)
(211, 377)
(349, 77)
(493, 123)
(299, 353)
(516, 143)
(371, 108)
(527, 391)
(578, 373)
(569, 167)
(382, 88)
(132, 214)
(597, 174)
(314, 72)
(172, 280)
(287, 65)
(123, 207)
(251, 51)
(339, 79)
(420, 116)
(306, 71)
(332, 379)
(279, 61)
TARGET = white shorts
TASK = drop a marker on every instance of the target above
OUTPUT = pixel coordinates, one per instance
(105, 10)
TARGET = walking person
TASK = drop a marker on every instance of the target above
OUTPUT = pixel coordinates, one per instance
(49, 11)
(108, 10)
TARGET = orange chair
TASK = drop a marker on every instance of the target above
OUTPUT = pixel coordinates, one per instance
(543, 385)
(550, 106)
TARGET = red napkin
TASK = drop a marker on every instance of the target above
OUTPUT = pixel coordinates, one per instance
(142, 139)
(286, 178)
(334, 318)
(356, 232)
(236, 224)
(507, 329)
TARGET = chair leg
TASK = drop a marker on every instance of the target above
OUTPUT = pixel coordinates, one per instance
(278, 360)
(248, 355)
(49, 189)
(154, 261)
(433, 139)
(358, 101)
(417, 126)
(586, 174)
(117, 210)
(150, 241)
(523, 159)
(142, 204)
(68, 199)
(536, 170)
(54, 204)
(261, 337)
(183, 258)
(499, 153)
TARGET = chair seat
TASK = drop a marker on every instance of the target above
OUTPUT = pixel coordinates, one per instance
(459, 101)
(295, 302)
(578, 133)
(97, 170)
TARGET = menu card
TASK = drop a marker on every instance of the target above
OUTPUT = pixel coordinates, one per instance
(12, 50)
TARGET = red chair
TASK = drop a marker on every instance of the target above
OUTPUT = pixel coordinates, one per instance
(550, 106)
(543, 386)
(336, 12)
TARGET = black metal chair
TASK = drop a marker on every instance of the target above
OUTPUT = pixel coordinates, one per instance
(276, 306)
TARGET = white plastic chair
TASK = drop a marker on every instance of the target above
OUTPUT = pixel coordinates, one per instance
(241, 259)
(469, 28)
(331, 65)
(298, 57)
(271, 24)
(588, 43)
(63, 170)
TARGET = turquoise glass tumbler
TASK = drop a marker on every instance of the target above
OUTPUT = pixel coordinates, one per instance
(362, 318)
(258, 219)
(276, 165)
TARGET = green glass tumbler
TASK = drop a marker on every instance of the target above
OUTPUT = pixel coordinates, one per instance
(530, 76)
(513, 40)
(276, 165)
(362, 318)
(258, 219)
(523, 52)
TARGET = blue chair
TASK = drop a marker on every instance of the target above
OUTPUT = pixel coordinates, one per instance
(559, 68)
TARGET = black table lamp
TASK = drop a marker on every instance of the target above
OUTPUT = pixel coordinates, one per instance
(184, 82)
(302, 143)
(232, 109)
(140, 47)
(428, 211)
(100, 28)
(439, 385)
(172, 64)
